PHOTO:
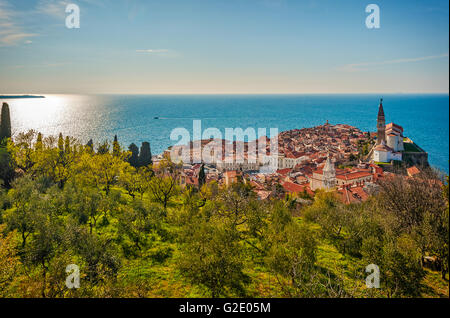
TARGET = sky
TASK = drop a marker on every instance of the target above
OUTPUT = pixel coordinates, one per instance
(224, 47)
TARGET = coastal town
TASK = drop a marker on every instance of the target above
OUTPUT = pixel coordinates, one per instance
(328, 157)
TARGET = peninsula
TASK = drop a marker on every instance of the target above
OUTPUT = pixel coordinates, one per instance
(338, 158)
(19, 96)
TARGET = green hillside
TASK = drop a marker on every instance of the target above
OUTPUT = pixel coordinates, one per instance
(133, 232)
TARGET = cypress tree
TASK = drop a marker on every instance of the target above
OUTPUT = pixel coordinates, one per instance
(103, 148)
(6, 168)
(90, 145)
(5, 123)
(145, 155)
(201, 176)
(39, 144)
(61, 145)
(134, 158)
(116, 147)
(67, 145)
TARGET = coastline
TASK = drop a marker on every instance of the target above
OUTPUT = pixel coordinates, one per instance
(20, 96)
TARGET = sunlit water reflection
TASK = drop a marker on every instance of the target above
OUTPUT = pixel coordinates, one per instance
(425, 118)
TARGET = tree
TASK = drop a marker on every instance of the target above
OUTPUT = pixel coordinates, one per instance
(211, 257)
(61, 169)
(293, 255)
(414, 203)
(67, 145)
(22, 150)
(145, 155)
(234, 203)
(397, 258)
(134, 158)
(90, 145)
(9, 261)
(43, 246)
(99, 256)
(164, 185)
(103, 148)
(5, 123)
(88, 202)
(201, 176)
(38, 146)
(27, 204)
(278, 191)
(61, 144)
(100, 170)
(136, 221)
(6, 167)
(116, 147)
(134, 181)
(439, 232)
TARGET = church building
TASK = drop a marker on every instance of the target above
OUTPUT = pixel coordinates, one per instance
(324, 178)
(389, 139)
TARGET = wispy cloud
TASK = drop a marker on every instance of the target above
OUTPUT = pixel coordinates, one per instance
(57, 8)
(159, 52)
(53, 8)
(11, 33)
(15, 38)
(13, 30)
(153, 51)
(361, 67)
(43, 65)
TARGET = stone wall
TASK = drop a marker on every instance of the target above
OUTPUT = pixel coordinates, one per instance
(416, 158)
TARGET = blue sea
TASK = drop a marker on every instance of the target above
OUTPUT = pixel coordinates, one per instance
(425, 118)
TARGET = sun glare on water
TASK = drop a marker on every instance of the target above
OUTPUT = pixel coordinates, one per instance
(50, 115)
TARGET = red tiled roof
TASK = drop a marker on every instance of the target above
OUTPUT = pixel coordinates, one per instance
(262, 194)
(293, 187)
(378, 169)
(412, 171)
(232, 173)
(382, 148)
(296, 188)
(284, 171)
(353, 195)
(359, 191)
(354, 175)
(191, 180)
(256, 185)
(394, 126)
(346, 196)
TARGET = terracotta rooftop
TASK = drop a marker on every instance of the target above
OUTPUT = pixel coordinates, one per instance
(412, 171)
(383, 148)
(296, 188)
(353, 195)
(354, 175)
(284, 171)
(394, 127)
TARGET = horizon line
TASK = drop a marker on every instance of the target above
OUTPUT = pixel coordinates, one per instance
(228, 93)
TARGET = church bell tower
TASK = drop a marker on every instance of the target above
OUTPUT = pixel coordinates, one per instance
(329, 174)
(381, 125)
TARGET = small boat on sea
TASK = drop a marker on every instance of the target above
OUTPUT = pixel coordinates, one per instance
(155, 117)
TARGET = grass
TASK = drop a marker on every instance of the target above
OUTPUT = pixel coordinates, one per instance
(3, 150)
(434, 286)
(382, 163)
(147, 277)
(410, 147)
